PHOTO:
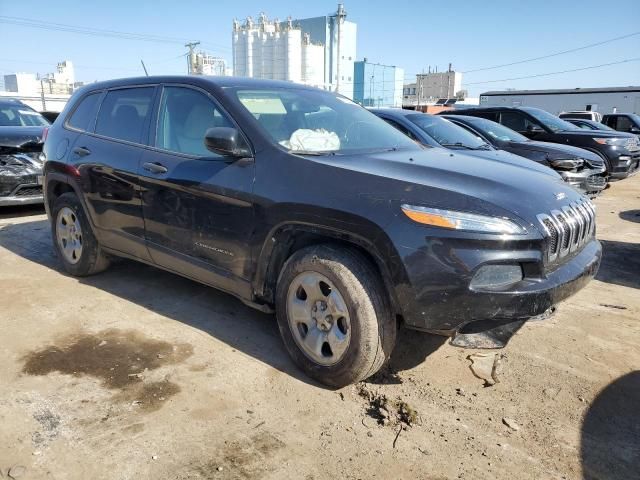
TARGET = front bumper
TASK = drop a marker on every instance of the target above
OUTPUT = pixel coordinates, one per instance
(446, 305)
(589, 181)
(23, 194)
(625, 165)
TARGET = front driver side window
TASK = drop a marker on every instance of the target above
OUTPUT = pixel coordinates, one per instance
(516, 121)
(184, 118)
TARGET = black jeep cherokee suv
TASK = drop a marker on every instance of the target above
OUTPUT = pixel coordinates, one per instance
(620, 151)
(298, 200)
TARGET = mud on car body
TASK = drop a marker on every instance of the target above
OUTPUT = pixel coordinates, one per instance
(297, 200)
(21, 160)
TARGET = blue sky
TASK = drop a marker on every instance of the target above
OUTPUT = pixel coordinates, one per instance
(411, 34)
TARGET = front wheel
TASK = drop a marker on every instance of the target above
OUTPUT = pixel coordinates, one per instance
(333, 314)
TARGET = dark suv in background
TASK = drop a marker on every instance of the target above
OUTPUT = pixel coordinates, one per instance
(623, 122)
(299, 200)
(620, 152)
(583, 170)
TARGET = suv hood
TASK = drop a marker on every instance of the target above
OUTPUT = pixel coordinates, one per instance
(20, 139)
(556, 150)
(511, 159)
(450, 180)
(594, 133)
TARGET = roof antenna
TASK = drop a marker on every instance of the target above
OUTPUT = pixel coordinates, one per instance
(145, 68)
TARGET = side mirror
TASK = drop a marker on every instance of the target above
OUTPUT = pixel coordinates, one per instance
(634, 129)
(227, 142)
(531, 128)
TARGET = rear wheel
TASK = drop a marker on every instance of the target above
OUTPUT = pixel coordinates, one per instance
(334, 315)
(73, 238)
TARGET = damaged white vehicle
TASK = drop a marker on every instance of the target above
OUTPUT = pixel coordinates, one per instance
(21, 138)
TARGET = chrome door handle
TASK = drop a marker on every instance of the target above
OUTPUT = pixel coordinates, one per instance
(154, 167)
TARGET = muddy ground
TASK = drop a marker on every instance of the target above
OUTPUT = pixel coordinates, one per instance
(137, 373)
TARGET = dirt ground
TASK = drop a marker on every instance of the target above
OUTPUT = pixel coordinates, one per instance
(137, 373)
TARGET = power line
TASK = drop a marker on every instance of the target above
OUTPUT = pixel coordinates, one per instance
(556, 73)
(96, 32)
(95, 67)
(591, 45)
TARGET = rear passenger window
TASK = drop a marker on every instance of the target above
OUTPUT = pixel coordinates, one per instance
(493, 116)
(185, 116)
(85, 113)
(124, 112)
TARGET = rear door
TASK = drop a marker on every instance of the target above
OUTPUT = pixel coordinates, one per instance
(108, 159)
(197, 206)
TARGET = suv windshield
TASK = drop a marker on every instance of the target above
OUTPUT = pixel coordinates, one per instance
(447, 133)
(19, 115)
(310, 121)
(552, 122)
(497, 131)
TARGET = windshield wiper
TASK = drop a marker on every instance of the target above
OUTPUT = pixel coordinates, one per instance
(457, 144)
(311, 152)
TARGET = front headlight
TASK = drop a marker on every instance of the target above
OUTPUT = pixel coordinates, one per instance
(461, 220)
(611, 141)
(566, 163)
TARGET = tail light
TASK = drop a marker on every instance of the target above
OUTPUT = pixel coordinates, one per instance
(45, 134)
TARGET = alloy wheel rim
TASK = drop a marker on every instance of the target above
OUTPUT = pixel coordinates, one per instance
(69, 235)
(318, 318)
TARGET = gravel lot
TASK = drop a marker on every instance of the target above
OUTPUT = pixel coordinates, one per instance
(138, 373)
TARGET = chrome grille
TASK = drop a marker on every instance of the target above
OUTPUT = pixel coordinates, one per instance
(632, 144)
(568, 228)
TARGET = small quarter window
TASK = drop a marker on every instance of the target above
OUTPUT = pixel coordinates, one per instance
(83, 116)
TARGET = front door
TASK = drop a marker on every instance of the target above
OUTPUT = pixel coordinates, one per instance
(197, 207)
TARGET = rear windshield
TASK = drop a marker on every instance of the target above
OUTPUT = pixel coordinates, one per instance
(315, 121)
(445, 132)
(497, 131)
(20, 116)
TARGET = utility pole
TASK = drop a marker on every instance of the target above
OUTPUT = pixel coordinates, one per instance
(191, 56)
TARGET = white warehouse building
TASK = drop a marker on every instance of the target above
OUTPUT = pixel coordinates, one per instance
(602, 100)
(269, 50)
(318, 51)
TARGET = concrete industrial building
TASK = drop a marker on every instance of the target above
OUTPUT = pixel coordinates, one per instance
(202, 63)
(61, 82)
(377, 85)
(272, 50)
(602, 100)
(431, 86)
(339, 38)
(317, 51)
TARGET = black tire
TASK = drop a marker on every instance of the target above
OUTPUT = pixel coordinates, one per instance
(373, 328)
(92, 259)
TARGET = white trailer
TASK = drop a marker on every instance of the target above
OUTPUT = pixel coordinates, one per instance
(603, 100)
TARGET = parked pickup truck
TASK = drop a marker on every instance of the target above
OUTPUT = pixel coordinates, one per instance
(298, 200)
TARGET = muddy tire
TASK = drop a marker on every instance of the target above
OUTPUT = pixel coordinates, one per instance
(334, 315)
(73, 238)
